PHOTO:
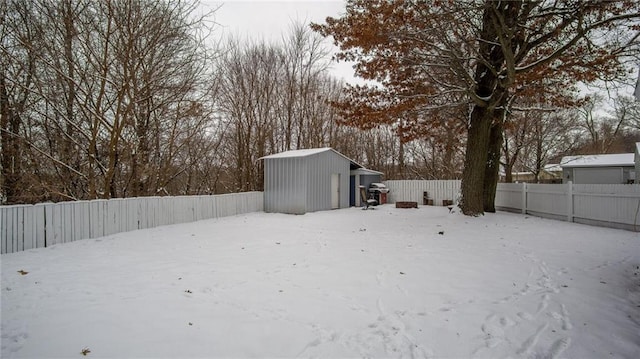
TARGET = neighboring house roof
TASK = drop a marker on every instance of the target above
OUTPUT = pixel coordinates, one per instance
(553, 167)
(619, 159)
(550, 168)
(309, 152)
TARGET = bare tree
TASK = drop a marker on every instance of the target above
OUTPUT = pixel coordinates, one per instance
(18, 66)
(627, 110)
(117, 92)
(602, 128)
(273, 98)
(550, 134)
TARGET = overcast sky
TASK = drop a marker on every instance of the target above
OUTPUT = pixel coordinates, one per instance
(271, 20)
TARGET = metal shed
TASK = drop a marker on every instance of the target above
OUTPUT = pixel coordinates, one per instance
(599, 169)
(310, 180)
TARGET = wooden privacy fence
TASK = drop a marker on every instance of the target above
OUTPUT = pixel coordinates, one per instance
(606, 205)
(414, 191)
(25, 227)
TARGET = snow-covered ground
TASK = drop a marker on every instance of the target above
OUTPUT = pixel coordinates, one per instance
(346, 283)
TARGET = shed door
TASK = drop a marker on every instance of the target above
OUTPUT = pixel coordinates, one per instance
(335, 190)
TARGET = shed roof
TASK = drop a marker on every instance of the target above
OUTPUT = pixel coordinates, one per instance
(309, 152)
(299, 153)
(365, 171)
(618, 159)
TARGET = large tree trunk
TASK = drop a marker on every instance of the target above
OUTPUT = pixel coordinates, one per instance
(491, 174)
(475, 160)
(478, 186)
(473, 176)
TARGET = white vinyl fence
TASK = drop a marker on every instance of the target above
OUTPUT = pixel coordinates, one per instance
(606, 205)
(415, 190)
(25, 227)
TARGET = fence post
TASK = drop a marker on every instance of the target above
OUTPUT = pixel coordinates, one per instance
(524, 198)
(569, 201)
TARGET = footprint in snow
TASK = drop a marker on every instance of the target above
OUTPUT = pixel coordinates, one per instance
(530, 342)
(525, 315)
(558, 347)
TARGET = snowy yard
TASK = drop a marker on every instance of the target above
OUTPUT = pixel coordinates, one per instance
(345, 283)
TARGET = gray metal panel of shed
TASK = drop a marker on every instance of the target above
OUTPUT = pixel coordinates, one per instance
(299, 181)
(320, 168)
(284, 185)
